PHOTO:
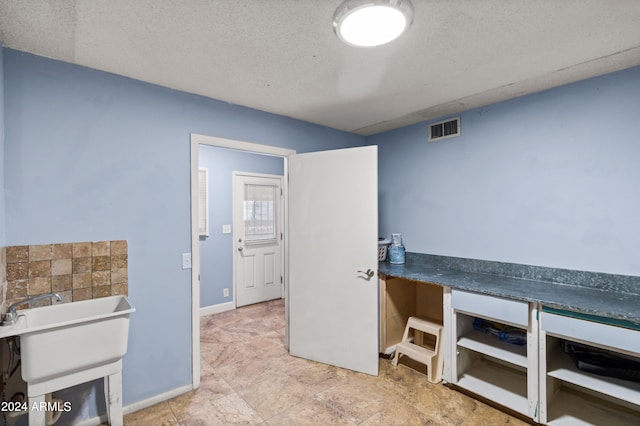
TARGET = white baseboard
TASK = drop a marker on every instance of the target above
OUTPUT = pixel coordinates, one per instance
(216, 309)
(136, 406)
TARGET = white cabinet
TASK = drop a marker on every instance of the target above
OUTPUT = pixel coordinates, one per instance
(502, 372)
(571, 396)
(538, 380)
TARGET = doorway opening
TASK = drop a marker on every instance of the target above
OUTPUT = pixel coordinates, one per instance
(199, 142)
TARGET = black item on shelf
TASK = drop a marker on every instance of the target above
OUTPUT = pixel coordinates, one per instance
(602, 362)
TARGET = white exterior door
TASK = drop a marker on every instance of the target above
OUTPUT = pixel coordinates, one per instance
(333, 234)
(258, 233)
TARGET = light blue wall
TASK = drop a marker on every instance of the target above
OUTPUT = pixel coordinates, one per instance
(216, 250)
(549, 179)
(2, 208)
(92, 156)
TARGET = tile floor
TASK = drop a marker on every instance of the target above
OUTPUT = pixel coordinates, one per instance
(249, 378)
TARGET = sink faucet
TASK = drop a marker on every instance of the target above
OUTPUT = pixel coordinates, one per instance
(11, 316)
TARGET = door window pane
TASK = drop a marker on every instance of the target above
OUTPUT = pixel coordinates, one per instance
(259, 212)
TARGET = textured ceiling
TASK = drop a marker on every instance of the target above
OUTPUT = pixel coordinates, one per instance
(282, 56)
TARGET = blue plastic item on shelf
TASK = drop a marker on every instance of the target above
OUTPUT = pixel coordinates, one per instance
(503, 332)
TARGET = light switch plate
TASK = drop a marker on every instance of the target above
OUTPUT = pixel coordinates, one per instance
(186, 260)
(226, 229)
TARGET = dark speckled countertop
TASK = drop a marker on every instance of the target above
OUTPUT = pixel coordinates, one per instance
(603, 295)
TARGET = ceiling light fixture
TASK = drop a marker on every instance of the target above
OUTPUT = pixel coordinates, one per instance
(370, 23)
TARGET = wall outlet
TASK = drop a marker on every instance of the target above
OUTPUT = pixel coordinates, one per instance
(226, 229)
(186, 260)
(225, 292)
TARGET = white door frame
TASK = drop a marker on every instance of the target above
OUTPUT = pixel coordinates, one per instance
(281, 228)
(196, 140)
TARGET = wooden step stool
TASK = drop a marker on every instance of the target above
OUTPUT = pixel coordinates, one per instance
(432, 358)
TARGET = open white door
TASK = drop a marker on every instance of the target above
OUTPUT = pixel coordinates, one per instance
(333, 234)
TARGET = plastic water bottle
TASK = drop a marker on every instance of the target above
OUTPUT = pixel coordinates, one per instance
(396, 250)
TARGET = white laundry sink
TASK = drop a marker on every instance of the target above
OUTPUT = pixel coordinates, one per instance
(68, 338)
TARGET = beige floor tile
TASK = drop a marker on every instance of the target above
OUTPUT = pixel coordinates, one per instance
(224, 319)
(486, 415)
(313, 412)
(229, 410)
(267, 345)
(211, 389)
(274, 394)
(350, 400)
(217, 335)
(160, 415)
(317, 377)
(248, 377)
(245, 368)
(399, 412)
(221, 354)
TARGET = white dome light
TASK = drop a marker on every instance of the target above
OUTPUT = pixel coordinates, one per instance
(369, 23)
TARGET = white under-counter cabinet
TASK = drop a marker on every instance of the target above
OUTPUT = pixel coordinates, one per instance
(479, 362)
(571, 396)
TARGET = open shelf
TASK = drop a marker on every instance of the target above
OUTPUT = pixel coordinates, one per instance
(506, 386)
(570, 407)
(561, 367)
(483, 364)
(494, 347)
(400, 299)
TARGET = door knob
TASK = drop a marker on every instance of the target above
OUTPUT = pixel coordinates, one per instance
(368, 274)
(239, 248)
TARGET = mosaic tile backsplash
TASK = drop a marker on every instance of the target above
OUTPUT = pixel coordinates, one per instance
(76, 271)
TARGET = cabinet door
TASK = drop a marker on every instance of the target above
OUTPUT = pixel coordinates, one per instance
(618, 338)
(502, 310)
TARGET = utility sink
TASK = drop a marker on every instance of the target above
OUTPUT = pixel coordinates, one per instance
(68, 344)
(69, 338)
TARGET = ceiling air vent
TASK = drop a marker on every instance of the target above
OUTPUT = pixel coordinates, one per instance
(444, 129)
